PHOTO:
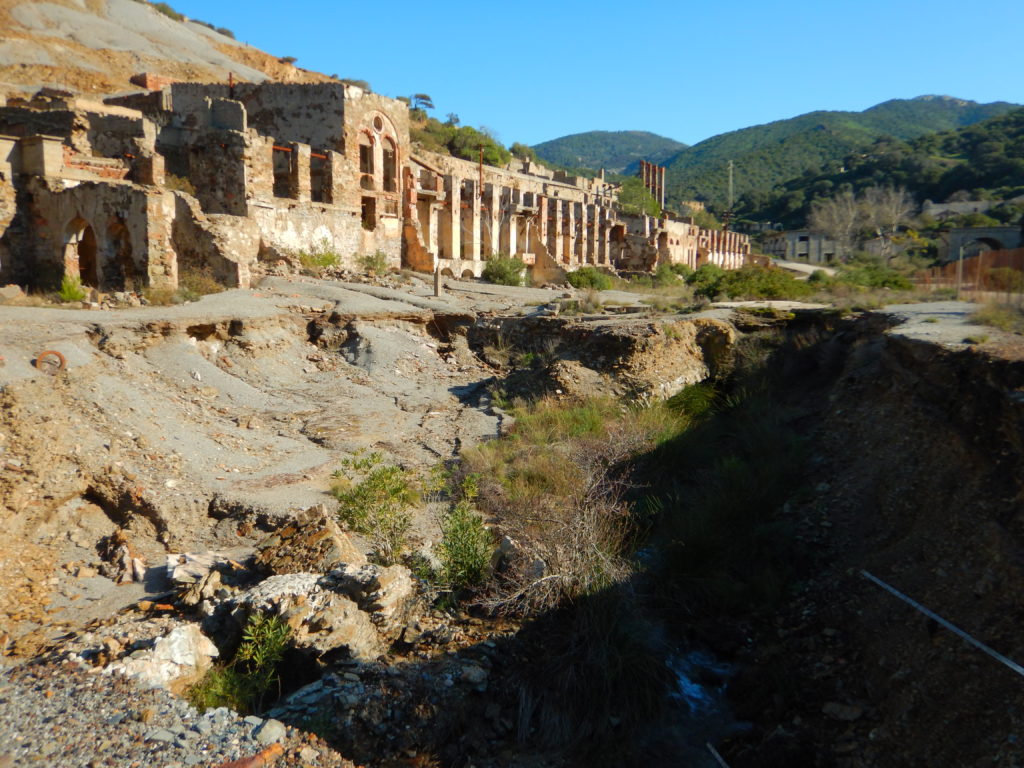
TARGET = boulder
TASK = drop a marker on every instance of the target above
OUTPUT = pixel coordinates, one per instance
(323, 621)
(10, 292)
(388, 595)
(176, 660)
(312, 543)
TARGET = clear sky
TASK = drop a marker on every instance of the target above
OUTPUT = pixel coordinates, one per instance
(532, 71)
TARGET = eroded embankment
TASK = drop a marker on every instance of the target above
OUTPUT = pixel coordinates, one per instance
(916, 463)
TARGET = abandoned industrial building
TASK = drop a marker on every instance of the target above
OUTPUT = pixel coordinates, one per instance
(128, 192)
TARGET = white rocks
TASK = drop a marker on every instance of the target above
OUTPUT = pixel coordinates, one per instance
(270, 732)
(178, 658)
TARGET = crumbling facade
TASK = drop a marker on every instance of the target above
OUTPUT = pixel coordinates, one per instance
(219, 177)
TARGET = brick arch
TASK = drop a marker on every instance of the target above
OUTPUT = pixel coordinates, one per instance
(81, 252)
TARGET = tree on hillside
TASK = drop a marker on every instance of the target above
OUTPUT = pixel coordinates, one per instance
(635, 198)
(523, 152)
(422, 101)
(839, 218)
(884, 210)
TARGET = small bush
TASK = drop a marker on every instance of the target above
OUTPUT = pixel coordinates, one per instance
(754, 282)
(179, 184)
(198, 281)
(374, 263)
(695, 400)
(706, 280)
(590, 277)
(504, 270)
(167, 11)
(870, 271)
(243, 683)
(318, 258)
(71, 289)
(374, 499)
(664, 276)
(1006, 317)
(226, 32)
(683, 270)
(466, 547)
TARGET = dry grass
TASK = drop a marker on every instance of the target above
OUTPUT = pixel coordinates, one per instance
(557, 486)
(1001, 315)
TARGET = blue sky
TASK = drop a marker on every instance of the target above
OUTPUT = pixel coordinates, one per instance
(532, 71)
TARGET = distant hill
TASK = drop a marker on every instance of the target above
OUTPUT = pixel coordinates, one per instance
(984, 159)
(96, 47)
(767, 155)
(615, 151)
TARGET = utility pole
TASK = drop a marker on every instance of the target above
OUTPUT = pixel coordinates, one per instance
(728, 211)
(959, 272)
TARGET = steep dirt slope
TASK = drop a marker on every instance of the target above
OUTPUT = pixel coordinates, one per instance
(95, 46)
(916, 470)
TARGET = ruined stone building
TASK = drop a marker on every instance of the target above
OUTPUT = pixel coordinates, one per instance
(132, 191)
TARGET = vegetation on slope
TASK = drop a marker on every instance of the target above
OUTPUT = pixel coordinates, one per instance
(767, 155)
(616, 151)
(983, 161)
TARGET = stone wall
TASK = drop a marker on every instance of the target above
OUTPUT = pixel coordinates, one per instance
(112, 236)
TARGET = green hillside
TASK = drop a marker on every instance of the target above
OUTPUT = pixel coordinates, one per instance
(767, 155)
(981, 160)
(615, 151)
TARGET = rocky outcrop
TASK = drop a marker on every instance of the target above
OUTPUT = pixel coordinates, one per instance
(312, 543)
(646, 358)
(352, 612)
(176, 660)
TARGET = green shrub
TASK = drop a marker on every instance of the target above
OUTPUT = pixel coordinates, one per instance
(590, 277)
(198, 281)
(706, 280)
(683, 270)
(243, 683)
(374, 263)
(870, 271)
(71, 289)
(695, 400)
(504, 270)
(167, 11)
(226, 32)
(755, 282)
(664, 276)
(466, 546)
(318, 258)
(374, 499)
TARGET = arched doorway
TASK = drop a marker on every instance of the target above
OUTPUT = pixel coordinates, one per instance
(120, 266)
(80, 253)
(981, 245)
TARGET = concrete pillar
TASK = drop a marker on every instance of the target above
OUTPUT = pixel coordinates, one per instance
(542, 216)
(42, 155)
(592, 217)
(471, 220)
(570, 241)
(557, 238)
(584, 241)
(451, 225)
(149, 170)
(494, 213)
(298, 172)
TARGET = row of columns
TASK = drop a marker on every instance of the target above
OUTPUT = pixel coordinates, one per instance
(472, 223)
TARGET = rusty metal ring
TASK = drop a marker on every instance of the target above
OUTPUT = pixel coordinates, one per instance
(51, 361)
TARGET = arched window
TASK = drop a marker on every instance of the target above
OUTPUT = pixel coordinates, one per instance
(390, 166)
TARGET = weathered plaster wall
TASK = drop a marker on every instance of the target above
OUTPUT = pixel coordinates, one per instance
(128, 224)
(226, 245)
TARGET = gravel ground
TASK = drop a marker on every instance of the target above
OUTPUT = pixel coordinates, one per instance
(62, 716)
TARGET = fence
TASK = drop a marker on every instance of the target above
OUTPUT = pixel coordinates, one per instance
(990, 272)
